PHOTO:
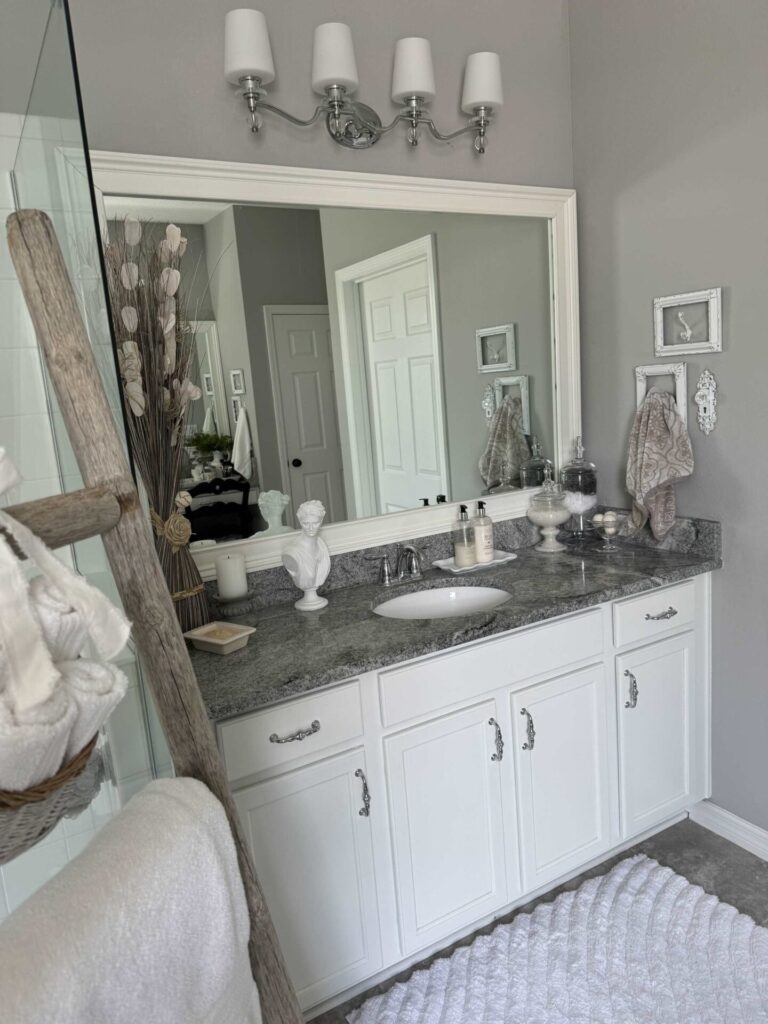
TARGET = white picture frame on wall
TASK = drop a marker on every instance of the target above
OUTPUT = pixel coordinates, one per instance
(689, 323)
(496, 348)
(237, 405)
(519, 382)
(237, 382)
(677, 370)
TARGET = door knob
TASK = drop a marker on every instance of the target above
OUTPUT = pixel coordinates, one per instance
(296, 463)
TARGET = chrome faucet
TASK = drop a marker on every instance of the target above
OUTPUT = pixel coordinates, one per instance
(410, 562)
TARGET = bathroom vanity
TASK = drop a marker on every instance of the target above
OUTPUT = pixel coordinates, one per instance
(465, 764)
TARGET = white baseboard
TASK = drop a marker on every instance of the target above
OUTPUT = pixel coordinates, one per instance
(730, 826)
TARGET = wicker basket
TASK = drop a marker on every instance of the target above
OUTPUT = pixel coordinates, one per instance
(28, 816)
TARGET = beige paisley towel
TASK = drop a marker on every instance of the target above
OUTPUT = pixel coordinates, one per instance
(659, 454)
(506, 443)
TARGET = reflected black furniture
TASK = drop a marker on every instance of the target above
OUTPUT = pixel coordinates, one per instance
(225, 519)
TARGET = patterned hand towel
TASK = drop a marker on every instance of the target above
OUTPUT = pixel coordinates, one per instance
(507, 446)
(660, 453)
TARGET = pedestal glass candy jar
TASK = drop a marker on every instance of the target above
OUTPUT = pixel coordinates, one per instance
(579, 482)
(548, 511)
(533, 470)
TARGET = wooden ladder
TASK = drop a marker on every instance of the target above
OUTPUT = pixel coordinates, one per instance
(109, 506)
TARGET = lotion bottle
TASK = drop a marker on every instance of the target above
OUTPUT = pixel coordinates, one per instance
(463, 541)
(483, 527)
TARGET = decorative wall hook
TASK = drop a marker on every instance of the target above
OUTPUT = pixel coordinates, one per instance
(706, 400)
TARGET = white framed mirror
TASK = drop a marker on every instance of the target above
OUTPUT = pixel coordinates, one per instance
(381, 406)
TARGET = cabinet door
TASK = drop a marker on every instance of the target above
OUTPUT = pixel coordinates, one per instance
(561, 755)
(448, 832)
(654, 709)
(313, 854)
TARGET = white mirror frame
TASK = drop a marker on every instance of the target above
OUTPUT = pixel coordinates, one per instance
(129, 174)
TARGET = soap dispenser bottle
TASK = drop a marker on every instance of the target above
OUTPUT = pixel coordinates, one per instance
(463, 541)
(483, 527)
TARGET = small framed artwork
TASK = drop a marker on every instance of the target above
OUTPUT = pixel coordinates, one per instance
(237, 382)
(688, 323)
(679, 371)
(208, 384)
(496, 348)
(515, 386)
(237, 405)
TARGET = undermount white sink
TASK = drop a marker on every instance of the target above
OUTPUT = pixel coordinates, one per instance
(442, 603)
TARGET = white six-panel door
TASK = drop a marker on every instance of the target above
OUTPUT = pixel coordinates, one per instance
(447, 824)
(654, 710)
(561, 737)
(314, 858)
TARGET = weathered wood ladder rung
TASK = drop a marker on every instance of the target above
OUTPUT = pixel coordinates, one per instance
(109, 506)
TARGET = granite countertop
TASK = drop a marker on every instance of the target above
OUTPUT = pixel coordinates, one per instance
(294, 652)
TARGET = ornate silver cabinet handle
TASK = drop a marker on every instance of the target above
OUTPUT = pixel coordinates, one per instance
(296, 737)
(670, 613)
(365, 810)
(633, 690)
(530, 731)
(499, 740)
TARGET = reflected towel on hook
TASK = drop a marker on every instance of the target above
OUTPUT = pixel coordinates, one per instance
(507, 446)
(95, 688)
(242, 446)
(660, 453)
(209, 423)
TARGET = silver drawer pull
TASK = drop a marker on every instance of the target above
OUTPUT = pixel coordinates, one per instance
(634, 693)
(499, 740)
(670, 613)
(365, 810)
(530, 731)
(296, 736)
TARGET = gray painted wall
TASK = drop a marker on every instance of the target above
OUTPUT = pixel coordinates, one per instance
(491, 270)
(153, 82)
(280, 253)
(671, 157)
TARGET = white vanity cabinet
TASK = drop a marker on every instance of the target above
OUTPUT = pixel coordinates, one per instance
(493, 770)
(447, 819)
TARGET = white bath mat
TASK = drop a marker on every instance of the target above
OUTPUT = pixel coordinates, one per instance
(638, 945)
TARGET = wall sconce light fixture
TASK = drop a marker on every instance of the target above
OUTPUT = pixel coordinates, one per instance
(248, 64)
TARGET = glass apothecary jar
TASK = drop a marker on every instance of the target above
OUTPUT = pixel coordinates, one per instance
(549, 512)
(579, 482)
(533, 470)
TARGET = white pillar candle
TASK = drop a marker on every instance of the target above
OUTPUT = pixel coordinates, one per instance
(413, 74)
(231, 577)
(482, 82)
(333, 61)
(247, 51)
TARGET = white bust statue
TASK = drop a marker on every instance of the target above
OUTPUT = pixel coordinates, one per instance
(272, 505)
(307, 558)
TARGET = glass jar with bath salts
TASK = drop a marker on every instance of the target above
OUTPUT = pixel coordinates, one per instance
(579, 482)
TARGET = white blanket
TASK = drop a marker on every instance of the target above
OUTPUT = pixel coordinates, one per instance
(147, 926)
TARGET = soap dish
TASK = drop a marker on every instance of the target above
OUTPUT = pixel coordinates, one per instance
(449, 564)
(220, 637)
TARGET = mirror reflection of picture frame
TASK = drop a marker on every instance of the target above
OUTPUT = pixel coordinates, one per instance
(208, 387)
(520, 383)
(237, 405)
(496, 348)
(237, 382)
(688, 323)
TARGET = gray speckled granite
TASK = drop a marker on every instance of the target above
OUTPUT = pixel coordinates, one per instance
(295, 652)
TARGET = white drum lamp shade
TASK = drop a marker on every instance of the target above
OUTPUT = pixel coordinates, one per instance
(247, 52)
(482, 82)
(412, 74)
(333, 61)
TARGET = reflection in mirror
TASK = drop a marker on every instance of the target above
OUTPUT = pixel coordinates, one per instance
(375, 360)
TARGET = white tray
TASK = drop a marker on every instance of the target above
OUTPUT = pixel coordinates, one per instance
(449, 564)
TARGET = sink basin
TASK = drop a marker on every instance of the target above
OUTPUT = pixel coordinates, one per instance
(442, 603)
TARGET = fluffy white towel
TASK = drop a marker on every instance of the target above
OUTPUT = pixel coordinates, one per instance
(62, 626)
(95, 688)
(209, 423)
(242, 446)
(149, 923)
(507, 447)
(33, 742)
(659, 454)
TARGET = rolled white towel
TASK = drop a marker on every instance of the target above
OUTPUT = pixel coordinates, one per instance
(62, 626)
(95, 689)
(34, 742)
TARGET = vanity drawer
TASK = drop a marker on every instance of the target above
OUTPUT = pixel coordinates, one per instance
(660, 611)
(463, 673)
(282, 734)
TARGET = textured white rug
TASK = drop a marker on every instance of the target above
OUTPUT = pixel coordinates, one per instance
(638, 945)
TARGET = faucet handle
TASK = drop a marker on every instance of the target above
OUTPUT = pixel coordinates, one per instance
(386, 578)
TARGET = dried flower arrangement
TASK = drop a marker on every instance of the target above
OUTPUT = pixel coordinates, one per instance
(154, 349)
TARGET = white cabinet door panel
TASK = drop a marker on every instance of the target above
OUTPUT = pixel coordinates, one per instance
(314, 858)
(447, 824)
(561, 756)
